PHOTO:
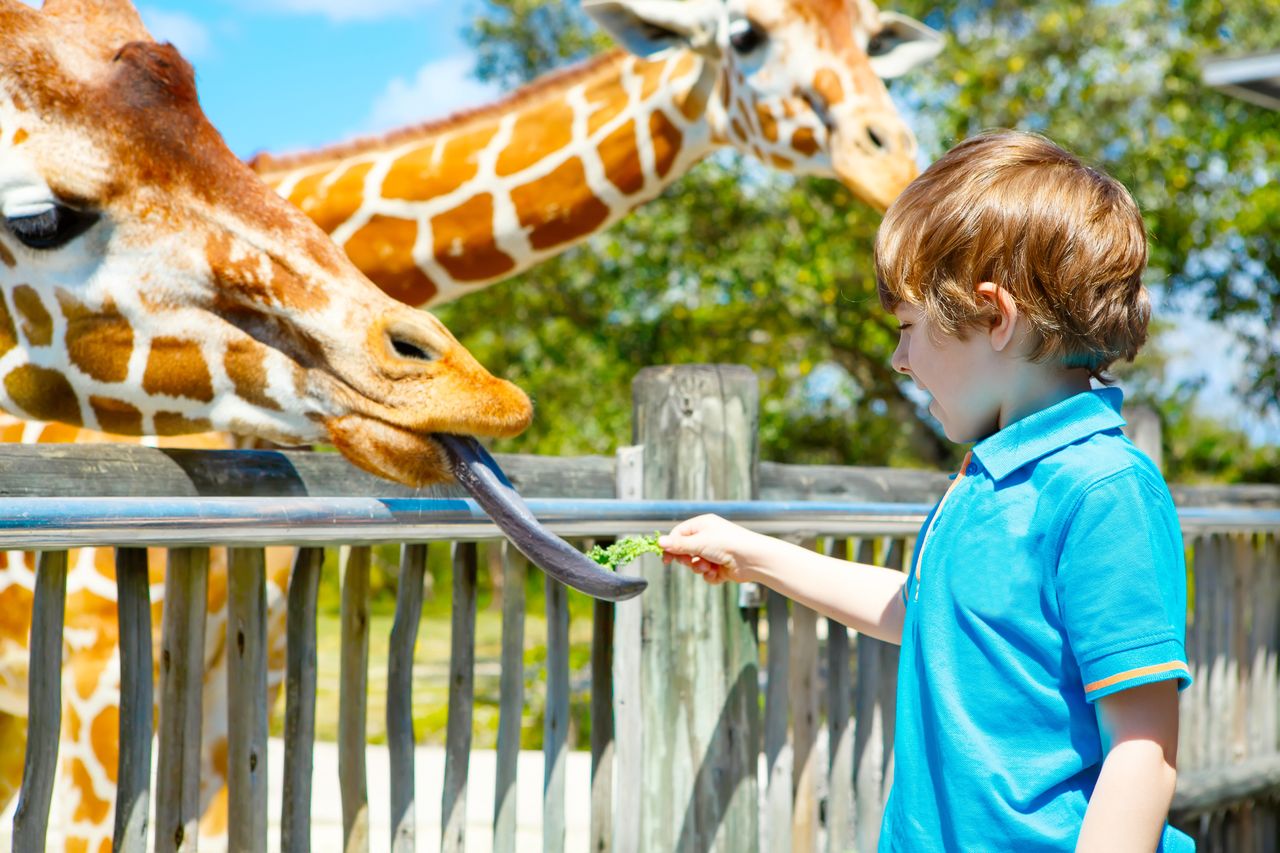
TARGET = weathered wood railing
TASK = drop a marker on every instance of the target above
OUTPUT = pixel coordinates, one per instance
(827, 729)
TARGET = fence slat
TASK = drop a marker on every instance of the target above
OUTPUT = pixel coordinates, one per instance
(839, 727)
(601, 726)
(400, 740)
(300, 701)
(247, 699)
(556, 723)
(1193, 728)
(44, 702)
(628, 616)
(462, 652)
(873, 729)
(353, 700)
(510, 698)
(804, 725)
(186, 597)
(777, 752)
(133, 772)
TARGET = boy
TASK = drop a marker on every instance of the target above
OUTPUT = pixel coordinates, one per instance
(1042, 622)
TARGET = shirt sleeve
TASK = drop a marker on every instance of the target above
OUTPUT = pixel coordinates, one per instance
(1122, 585)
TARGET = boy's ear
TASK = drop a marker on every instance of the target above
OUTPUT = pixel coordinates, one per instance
(1004, 313)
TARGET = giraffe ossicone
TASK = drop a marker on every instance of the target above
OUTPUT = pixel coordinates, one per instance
(437, 211)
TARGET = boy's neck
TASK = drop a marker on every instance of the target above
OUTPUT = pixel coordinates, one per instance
(1038, 387)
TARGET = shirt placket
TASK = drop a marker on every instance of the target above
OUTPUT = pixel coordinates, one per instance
(933, 522)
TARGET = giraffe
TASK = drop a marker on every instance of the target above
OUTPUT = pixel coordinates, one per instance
(150, 283)
(717, 75)
(439, 210)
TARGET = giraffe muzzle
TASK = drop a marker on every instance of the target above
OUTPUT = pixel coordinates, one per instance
(480, 475)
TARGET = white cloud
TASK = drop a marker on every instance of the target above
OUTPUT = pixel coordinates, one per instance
(349, 10)
(187, 34)
(440, 87)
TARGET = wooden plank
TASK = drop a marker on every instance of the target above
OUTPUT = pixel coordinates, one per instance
(133, 772)
(839, 726)
(1192, 702)
(300, 701)
(1221, 688)
(510, 698)
(400, 739)
(132, 470)
(777, 708)
(1209, 790)
(1243, 579)
(699, 663)
(873, 729)
(44, 703)
(1260, 607)
(628, 617)
(462, 667)
(1267, 620)
(107, 470)
(186, 591)
(353, 699)
(247, 700)
(555, 731)
(804, 725)
(783, 482)
(602, 746)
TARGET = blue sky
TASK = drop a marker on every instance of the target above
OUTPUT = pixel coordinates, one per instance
(279, 75)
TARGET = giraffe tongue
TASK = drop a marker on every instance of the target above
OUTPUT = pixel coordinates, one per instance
(475, 469)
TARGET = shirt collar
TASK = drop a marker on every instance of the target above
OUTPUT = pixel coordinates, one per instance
(1041, 433)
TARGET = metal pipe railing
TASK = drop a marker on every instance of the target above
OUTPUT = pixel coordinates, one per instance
(48, 523)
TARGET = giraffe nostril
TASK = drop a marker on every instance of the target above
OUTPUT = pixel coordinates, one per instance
(877, 139)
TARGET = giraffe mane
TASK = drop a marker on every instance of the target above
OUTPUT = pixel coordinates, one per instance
(266, 163)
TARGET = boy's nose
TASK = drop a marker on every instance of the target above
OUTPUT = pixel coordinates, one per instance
(899, 361)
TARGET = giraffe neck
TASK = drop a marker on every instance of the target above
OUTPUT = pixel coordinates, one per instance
(436, 212)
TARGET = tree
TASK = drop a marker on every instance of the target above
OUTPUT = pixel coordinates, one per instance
(736, 263)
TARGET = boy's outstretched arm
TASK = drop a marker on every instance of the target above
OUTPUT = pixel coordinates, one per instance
(1131, 801)
(866, 598)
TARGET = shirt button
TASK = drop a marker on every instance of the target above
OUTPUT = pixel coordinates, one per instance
(972, 469)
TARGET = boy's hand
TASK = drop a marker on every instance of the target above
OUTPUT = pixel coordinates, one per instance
(716, 549)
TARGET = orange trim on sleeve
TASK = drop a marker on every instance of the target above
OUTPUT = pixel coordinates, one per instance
(1137, 673)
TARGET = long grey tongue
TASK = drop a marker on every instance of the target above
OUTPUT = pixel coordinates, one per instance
(483, 479)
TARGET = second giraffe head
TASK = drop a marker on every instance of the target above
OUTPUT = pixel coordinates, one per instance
(797, 83)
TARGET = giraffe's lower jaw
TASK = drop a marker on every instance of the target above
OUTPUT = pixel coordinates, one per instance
(477, 472)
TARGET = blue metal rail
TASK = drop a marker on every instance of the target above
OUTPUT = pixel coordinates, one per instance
(52, 523)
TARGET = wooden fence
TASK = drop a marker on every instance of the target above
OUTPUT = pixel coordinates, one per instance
(677, 676)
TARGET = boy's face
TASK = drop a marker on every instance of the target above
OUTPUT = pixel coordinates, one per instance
(964, 376)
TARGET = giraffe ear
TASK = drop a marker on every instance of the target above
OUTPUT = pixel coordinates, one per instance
(902, 44)
(111, 23)
(649, 27)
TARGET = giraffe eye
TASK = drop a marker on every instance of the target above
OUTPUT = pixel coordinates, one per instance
(745, 36)
(880, 43)
(50, 228)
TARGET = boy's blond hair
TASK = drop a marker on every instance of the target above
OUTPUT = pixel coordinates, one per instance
(1013, 208)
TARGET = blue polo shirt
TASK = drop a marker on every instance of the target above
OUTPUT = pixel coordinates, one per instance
(1051, 574)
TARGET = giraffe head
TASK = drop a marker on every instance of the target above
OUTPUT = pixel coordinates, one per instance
(152, 284)
(800, 81)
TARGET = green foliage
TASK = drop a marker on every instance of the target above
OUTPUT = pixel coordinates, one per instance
(624, 551)
(737, 263)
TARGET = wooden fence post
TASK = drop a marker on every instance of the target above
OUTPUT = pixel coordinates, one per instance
(698, 425)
